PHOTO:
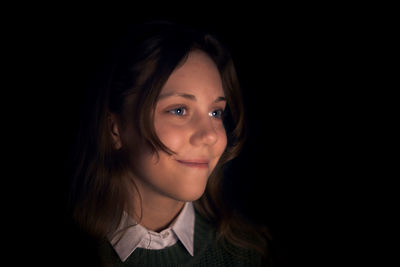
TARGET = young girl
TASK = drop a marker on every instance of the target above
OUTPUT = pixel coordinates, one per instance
(158, 132)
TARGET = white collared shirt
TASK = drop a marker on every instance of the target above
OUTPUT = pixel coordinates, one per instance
(137, 236)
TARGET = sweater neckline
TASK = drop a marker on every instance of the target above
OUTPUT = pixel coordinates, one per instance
(131, 236)
(204, 234)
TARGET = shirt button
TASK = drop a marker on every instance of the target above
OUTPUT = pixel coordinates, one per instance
(165, 235)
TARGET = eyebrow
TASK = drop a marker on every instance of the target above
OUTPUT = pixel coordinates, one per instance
(189, 96)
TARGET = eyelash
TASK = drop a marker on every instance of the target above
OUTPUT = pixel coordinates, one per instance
(172, 111)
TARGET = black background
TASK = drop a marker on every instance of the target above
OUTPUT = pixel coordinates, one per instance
(292, 69)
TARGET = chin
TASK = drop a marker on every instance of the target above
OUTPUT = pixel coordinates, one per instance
(189, 193)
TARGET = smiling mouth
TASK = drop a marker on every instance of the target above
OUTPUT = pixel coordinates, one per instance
(194, 164)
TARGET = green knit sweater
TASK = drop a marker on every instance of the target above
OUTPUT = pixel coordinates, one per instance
(207, 253)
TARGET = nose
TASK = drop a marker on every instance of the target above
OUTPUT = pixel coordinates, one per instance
(204, 132)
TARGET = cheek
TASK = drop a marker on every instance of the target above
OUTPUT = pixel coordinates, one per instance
(171, 136)
(222, 141)
(219, 147)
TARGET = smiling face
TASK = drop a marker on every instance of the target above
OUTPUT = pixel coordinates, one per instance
(187, 120)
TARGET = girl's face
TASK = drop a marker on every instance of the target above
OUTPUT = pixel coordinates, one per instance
(188, 120)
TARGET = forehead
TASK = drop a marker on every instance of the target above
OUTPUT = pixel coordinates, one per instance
(198, 75)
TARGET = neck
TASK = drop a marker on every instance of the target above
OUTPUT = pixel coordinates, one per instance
(157, 211)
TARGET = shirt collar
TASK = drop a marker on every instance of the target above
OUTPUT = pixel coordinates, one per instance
(129, 234)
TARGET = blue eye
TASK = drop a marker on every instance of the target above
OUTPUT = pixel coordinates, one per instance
(178, 111)
(217, 113)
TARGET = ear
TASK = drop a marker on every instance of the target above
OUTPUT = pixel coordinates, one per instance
(113, 128)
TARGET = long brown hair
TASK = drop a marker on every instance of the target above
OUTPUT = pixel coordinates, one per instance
(141, 64)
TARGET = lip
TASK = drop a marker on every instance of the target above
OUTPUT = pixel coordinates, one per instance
(194, 163)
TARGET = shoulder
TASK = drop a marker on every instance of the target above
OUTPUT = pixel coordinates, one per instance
(241, 256)
(214, 250)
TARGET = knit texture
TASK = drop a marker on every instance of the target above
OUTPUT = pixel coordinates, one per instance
(207, 253)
